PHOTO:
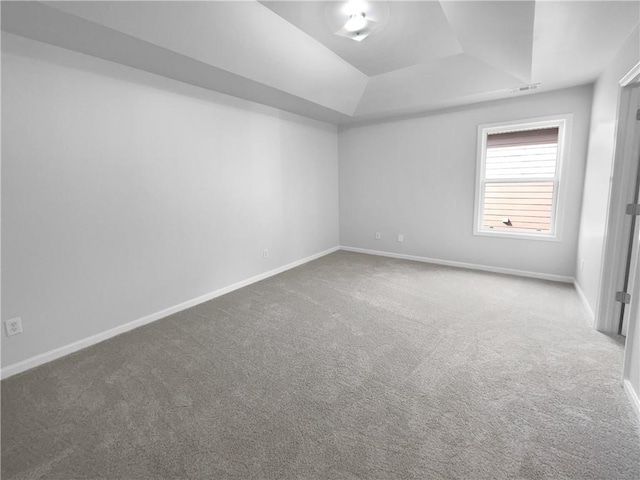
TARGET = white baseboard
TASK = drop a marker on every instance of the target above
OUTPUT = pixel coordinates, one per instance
(470, 266)
(585, 303)
(633, 396)
(43, 358)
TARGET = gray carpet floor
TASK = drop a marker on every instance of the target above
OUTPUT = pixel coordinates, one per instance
(349, 367)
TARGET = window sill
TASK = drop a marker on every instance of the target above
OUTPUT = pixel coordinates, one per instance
(518, 235)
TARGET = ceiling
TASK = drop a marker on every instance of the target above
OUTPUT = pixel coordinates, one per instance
(424, 55)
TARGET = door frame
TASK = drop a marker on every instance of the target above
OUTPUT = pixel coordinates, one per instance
(621, 192)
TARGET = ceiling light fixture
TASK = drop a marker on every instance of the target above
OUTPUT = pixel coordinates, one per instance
(358, 27)
(357, 21)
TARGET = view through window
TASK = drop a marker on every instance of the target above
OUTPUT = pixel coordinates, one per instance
(519, 179)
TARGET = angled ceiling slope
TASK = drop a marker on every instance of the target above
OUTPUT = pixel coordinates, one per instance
(201, 43)
(427, 55)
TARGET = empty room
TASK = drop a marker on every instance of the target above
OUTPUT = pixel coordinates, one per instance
(320, 240)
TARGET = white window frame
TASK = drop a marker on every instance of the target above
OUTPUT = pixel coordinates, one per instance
(563, 122)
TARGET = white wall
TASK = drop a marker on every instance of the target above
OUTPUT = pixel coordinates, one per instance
(124, 193)
(416, 176)
(600, 154)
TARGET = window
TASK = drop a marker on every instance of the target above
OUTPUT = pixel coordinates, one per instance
(518, 179)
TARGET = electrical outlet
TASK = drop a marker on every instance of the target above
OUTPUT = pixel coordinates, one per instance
(582, 265)
(400, 237)
(13, 326)
(265, 253)
(378, 236)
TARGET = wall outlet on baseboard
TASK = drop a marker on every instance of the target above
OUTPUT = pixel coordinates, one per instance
(400, 237)
(13, 326)
(265, 253)
(378, 236)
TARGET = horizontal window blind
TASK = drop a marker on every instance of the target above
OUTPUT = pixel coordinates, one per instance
(523, 137)
(519, 179)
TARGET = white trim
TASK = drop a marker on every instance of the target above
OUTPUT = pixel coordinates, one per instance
(564, 122)
(632, 75)
(46, 357)
(517, 235)
(585, 303)
(470, 266)
(633, 396)
(617, 226)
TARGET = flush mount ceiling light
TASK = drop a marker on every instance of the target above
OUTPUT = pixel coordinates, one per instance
(357, 19)
(357, 27)
(356, 22)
